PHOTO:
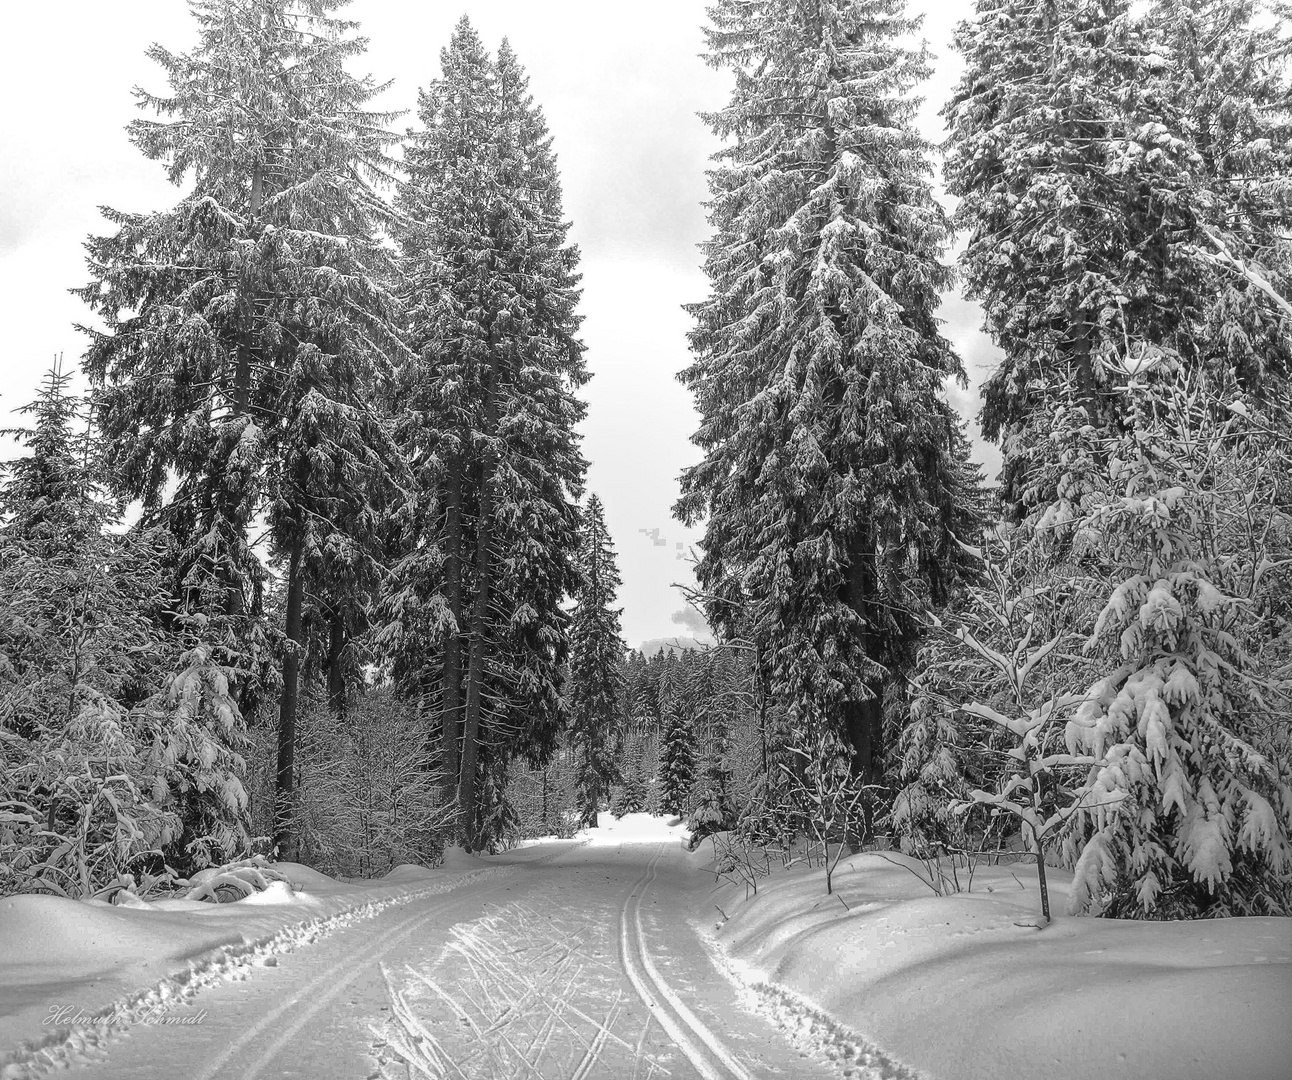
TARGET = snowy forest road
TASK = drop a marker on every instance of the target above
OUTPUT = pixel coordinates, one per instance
(566, 962)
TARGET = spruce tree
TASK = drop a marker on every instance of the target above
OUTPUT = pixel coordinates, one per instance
(596, 656)
(828, 475)
(247, 329)
(491, 290)
(633, 796)
(541, 472)
(714, 809)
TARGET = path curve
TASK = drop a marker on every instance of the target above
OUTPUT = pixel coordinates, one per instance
(710, 1057)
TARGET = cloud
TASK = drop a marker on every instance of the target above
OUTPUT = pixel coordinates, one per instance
(691, 618)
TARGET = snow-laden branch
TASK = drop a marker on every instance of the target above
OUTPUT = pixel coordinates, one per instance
(1229, 259)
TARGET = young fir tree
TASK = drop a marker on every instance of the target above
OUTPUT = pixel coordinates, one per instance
(828, 473)
(596, 658)
(99, 769)
(1195, 768)
(247, 329)
(491, 287)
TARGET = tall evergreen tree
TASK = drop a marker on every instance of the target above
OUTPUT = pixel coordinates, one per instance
(492, 289)
(596, 659)
(247, 329)
(829, 475)
(541, 473)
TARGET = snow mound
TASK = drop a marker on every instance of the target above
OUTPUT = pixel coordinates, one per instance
(278, 892)
(965, 986)
(410, 872)
(121, 964)
(306, 878)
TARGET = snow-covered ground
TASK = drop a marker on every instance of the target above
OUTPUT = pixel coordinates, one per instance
(955, 987)
(76, 976)
(618, 954)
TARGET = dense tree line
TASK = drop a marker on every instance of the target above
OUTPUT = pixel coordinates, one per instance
(383, 388)
(1095, 659)
(343, 390)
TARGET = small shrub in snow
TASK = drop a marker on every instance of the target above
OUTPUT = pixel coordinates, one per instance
(368, 797)
(827, 795)
(1020, 648)
(232, 881)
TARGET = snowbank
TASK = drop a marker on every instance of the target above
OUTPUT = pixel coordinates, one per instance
(634, 829)
(73, 973)
(954, 987)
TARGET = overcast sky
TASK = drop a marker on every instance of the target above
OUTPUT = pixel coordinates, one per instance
(620, 85)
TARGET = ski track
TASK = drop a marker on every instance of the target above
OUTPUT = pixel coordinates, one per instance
(315, 996)
(88, 1042)
(705, 1051)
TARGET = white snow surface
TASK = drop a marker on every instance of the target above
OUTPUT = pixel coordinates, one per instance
(886, 978)
(627, 942)
(633, 829)
(122, 963)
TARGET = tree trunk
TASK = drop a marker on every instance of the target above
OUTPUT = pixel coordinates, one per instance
(234, 603)
(451, 684)
(863, 720)
(1084, 366)
(285, 781)
(335, 672)
(478, 635)
(1040, 876)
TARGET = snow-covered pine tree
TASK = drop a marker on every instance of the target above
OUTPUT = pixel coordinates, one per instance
(247, 329)
(635, 737)
(491, 286)
(596, 659)
(634, 798)
(442, 237)
(930, 764)
(1057, 202)
(828, 475)
(541, 473)
(635, 710)
(1186, 719)
(714, 809)
(676, 742)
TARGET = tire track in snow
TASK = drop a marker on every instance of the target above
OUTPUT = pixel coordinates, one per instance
(706, 1052)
